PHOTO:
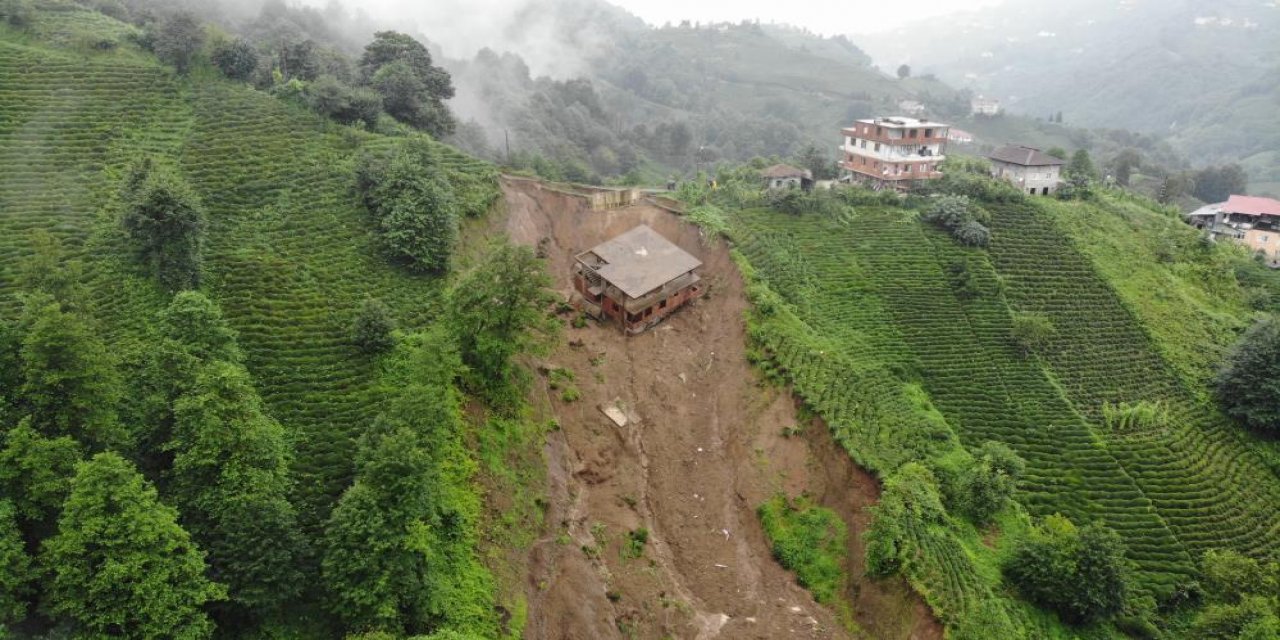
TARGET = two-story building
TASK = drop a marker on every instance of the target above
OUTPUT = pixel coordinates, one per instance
(1249, 220)
(1029, 169)
(637, 279)
(981, 106)
(897, 152)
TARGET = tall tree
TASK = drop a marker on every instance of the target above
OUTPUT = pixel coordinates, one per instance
(413, 204)
(36, 472)
(237, 59)
(375, 573)
(1081, 166)
(413, 89)
(71, 386)
(1216, 184)
(500, 309)
(230, 478)
(178, 40)
(120, 565)
(904, 71)
(49, 270)
(166, 223)
(1248, 385)
(15, 567)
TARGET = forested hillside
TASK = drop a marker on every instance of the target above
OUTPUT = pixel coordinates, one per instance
(280, 447)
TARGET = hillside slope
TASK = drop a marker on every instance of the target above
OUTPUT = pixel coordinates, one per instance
(874, 309)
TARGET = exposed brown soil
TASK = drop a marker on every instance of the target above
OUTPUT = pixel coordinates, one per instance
(704, 448)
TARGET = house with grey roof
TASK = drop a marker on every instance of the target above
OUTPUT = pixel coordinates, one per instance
(637, 279)
(785, 176)
(1029, 169)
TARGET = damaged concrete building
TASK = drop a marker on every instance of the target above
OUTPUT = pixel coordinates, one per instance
(637, 279)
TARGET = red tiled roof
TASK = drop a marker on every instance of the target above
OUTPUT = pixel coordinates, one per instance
(1252, 206)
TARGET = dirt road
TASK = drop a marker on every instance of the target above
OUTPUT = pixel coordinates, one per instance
(705, 446)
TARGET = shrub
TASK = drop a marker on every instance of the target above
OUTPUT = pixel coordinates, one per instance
(1079, 572)
(961, 217)
(372, 327)
(1248, 386)
(990, 481)
(1031, 331)
(809, 540)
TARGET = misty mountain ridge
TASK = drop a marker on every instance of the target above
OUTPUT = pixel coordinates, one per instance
(1202, 74)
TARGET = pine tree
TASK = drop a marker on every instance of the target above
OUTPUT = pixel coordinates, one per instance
(120, 565)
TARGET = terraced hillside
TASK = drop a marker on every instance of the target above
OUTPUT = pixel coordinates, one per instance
(290, 255)
(874, 303)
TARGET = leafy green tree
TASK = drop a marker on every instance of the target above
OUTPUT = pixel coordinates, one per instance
(1081, 165)
(911, 498)
(237, 59)
(165, 220)
(1243, 597)
(331, 98)
(376, 576)
(36, 471)
(194, 323)
(1079, 572)
(1058, 152)
(1216, 184)
(1031, 331)
(373, 327)
(15, 567)
(1124, 164)
(817, 162)
(70, 383)
(1248, 386)
(412, 88)
(178, 40)
(904, 71)
(49, 270)
(413, 205)
(990, 481)
(500, 309)
(230, 478)
(120, 565)
(959, 215)
(1174, 186)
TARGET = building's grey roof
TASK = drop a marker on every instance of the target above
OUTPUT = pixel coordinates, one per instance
(1025, 156)
(640, 261)
(785, 171)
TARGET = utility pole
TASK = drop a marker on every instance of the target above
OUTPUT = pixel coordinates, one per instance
(506, 137)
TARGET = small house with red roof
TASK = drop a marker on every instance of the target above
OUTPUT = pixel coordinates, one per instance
(1250, 220)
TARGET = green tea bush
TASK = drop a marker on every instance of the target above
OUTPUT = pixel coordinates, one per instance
(809, 540)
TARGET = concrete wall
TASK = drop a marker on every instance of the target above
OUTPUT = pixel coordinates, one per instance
(1030, 179)
(1266, 241)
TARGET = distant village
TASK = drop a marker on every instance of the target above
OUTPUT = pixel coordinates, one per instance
(901, 152)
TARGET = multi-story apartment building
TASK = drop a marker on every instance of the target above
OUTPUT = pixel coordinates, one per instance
(895, 152)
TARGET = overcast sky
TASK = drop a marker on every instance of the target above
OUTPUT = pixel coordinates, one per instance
(827, 17)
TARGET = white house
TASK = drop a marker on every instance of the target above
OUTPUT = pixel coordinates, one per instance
(1028, 169)
(981, 106)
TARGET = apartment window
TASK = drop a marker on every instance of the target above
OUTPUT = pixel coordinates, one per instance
(928, 133)
(878, 131)
(1263, 238)
(911, 133)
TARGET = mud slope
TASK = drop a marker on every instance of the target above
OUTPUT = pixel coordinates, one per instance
(704, 448)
